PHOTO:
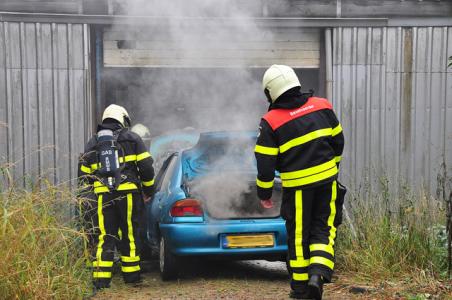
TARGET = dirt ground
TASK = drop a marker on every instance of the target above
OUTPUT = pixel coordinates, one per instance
(208, 279)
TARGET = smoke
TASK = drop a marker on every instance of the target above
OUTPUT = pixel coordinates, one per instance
(200, 66)
(200, 69)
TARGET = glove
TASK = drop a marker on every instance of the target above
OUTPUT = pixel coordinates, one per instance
(267, 203)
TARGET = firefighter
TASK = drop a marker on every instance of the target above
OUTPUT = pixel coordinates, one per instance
(301, 138)
(119, 168)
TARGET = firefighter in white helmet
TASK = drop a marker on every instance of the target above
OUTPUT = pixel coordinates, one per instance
(118, 167)
(143, 132)
(301, 138)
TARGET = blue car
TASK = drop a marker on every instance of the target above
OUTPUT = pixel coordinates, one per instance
(205, 205)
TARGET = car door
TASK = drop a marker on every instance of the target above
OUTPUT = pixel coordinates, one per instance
(153, 208)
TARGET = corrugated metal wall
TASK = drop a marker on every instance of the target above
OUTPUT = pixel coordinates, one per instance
(45, 107)
(393, 92)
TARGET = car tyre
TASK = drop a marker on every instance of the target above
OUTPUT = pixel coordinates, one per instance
(167, 262)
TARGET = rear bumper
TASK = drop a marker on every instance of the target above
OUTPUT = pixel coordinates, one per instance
(205, 238)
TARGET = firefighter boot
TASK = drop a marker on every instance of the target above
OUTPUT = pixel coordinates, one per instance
(316, 286)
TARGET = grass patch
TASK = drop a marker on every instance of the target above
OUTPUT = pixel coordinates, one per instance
(396, 239)
(42, 252)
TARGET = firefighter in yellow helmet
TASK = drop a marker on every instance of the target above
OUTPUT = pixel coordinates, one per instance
(301, 138)
(119, 168)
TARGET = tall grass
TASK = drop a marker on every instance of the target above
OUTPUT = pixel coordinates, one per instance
(41, 249)
(395, 238)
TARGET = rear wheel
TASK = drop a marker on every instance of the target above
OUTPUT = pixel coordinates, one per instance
(168, 262)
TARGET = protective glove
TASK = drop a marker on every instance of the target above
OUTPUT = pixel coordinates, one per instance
(267, 203)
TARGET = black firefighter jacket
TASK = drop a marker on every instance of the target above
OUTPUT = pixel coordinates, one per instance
(138, 169)
(301, 138)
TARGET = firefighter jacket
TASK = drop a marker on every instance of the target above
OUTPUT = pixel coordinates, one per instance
(137, 173)
(301, 138)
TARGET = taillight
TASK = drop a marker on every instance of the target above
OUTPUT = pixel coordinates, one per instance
(187, 208)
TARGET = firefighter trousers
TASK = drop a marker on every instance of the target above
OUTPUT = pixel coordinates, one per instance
(117, 211)
(310, 222)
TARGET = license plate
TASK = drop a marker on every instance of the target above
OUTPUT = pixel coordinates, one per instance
(248, 240)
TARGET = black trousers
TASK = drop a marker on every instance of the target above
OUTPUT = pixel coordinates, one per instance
(310, 216)
(117, 212)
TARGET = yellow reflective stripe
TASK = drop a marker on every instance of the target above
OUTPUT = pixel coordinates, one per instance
(143, 156)
(85, 169)
(266, 150)
(322, 247)
(128, 158)
(102, 274)
(309, 171)
(130, 269)
(310, 179)
(148, 183)
(130, 259)
(305, 138)
(127, 186)
(129, 225)
(332, 216)
(300, 276)
(299, 225)
(338, 159)
(99, 187)
(322, 261)
(103, 189)
(120, 233)
(337, 130)
(299, 263)
(264, 184)
(105, 264)
(94, 167)
(101, 228)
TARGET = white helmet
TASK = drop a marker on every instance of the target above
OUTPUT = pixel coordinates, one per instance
(141, 130)
(278, 79)
(117, 113)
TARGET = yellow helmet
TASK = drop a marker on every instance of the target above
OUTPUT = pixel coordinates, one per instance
(278, 79)
(117, 113)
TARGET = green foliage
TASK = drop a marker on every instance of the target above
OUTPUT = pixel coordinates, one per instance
(450, 62)
(42, 253)
(397, 237)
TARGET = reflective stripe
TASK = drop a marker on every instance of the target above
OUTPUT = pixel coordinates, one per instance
(120, 233)
(332, 216)
(337, 130)
(322, 261)
(264, 184)
(143, 156)
(310, 179)
(309, 171)
(102, 274)
(300, 276)
(85, 169)
(106, 264)
(266, 150)
(129, 225)
(148, 183)
(94, 167)
(130, 259)
(102, 231)
(128, 158)
(305, 138)
(322, 247)
(99, 187)
(131, 269)
(338, 159)
(300, 262)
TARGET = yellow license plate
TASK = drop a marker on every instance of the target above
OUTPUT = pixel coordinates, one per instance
(249, 241)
